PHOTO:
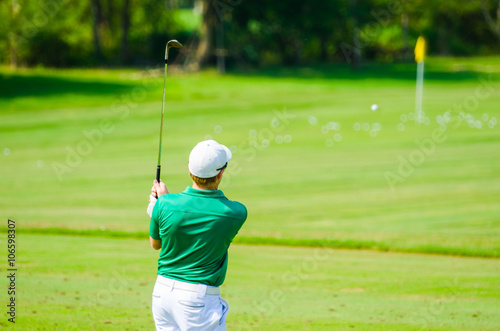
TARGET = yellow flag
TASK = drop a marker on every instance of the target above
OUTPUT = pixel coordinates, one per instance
(420, 49)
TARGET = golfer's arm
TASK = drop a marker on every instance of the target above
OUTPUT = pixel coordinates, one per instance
(156, 244)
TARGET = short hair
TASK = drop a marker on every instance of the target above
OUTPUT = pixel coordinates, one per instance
(210, 183)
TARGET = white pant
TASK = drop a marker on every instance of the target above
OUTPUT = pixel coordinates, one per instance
(177, 309)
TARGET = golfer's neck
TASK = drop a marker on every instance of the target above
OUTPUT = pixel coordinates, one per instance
(203, 188)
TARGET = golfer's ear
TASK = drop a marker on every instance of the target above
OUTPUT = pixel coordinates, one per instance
(219, 175)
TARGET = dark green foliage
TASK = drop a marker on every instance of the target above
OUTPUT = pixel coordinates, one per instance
(58, 33)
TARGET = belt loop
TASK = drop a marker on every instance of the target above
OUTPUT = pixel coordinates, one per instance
(202, 290)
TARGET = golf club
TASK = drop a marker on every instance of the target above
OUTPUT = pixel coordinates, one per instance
(172, 43)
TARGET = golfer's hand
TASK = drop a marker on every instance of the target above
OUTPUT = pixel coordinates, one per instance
(159, 188)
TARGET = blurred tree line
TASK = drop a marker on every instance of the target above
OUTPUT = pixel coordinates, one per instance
(246, 32)
(66, 33)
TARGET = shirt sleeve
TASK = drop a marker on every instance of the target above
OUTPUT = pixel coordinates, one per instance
(241, 218)
(154, 227)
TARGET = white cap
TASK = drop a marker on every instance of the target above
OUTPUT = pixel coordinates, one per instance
(208, 158)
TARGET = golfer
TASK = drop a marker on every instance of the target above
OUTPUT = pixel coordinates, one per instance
(193, 231)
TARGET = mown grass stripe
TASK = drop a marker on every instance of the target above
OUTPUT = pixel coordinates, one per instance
(353, 244)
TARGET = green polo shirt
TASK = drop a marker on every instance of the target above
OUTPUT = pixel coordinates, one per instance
(196, 228)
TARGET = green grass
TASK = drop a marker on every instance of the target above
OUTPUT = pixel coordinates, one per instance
(300, 190)
(291, 242)
(79, 283)
(76, 227)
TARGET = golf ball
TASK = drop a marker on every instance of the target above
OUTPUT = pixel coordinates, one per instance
(374, 107)
(6, 151)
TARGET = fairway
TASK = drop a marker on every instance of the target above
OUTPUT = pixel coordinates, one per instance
(357, 219)
(90, 145)
(108, 286)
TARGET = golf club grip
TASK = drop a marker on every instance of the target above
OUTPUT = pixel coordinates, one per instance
(158, 168)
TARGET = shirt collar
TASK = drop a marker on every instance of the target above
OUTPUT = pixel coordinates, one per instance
(202, 193)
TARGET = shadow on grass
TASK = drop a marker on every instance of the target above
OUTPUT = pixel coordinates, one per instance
(353, 244)
(401, 71)
(13, 86)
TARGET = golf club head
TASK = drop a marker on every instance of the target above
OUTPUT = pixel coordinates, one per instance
(172, 43)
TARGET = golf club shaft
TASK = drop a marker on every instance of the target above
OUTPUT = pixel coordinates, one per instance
(176, 44)
(158, 167)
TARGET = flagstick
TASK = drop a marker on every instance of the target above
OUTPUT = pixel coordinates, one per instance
(419, 58)
(419, 115)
